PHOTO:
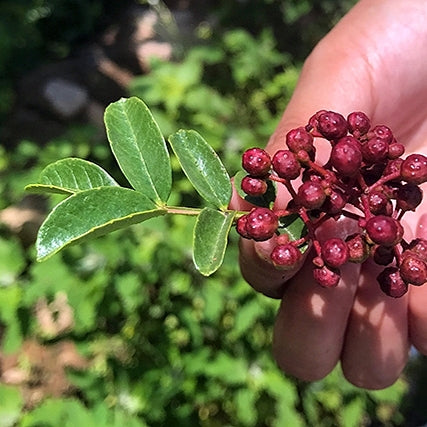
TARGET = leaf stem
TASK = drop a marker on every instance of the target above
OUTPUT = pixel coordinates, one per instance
(182, 210)
(179, 210)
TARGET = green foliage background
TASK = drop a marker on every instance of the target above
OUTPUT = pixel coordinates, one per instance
(166, 346)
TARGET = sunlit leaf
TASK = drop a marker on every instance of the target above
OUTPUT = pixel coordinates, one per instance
(92, 213)
(139, 147)
(68, 176)
(210, 239)
(203, 167)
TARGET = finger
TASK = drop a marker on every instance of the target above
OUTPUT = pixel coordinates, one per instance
(259, 272)
(311, 323)
(376, 342)
(418, 303)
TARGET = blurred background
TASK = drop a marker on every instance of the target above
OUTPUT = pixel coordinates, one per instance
(122, 330)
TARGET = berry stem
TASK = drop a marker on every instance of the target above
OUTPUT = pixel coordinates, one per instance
(383, 180)
(365, 205)
(399, 215)
(322, 171)
(283, 212)
(311, 231)
(286, 183)
(397, 254)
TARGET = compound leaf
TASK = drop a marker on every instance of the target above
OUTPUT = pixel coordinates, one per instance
(69, 176)
(210, 239)
(203, 167)
(139, 147)
(92, 213)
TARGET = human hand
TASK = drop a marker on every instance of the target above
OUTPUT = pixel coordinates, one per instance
(369, 62)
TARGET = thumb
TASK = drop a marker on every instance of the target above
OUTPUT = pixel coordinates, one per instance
(318, 88)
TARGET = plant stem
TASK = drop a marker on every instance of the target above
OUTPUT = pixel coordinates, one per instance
(182, 210)
(178, 210)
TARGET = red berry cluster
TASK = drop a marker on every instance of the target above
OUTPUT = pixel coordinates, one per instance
(365, 178)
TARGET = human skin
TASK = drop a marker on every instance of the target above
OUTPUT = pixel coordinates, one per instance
(372, 61)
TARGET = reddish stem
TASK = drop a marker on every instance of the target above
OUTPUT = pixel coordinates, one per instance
(311, 230)
(383, 180)
(322, 171)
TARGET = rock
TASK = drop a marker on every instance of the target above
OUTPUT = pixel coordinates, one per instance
(52, 96)
(67, 99)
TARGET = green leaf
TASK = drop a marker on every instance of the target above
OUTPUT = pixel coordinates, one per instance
(12, 261)
(139, 147)
(245, 400)
(210, 239)
(11, 405)
(68, 176)
(92, 213)
(352, 412)
(55, 412)
(10, 302)
(203, 167)
(294, 226)
(227, 369)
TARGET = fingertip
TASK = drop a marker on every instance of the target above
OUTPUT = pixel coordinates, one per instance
(376, 345)
(379, 381)
(257, 269)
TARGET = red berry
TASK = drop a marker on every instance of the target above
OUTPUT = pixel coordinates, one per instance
(379, 203)
(382, 132)
(261, 224)
(383, 230)
(414, 169)
(253, 186)
(241, 226)
(313, 122)
(419, 248)
(332, 125)
(408, 197)
(311, 175)
(326, 277)
(391, 282)
(311, 195)
(383, 255)
(346, 156)
(299, 139)
(413, 269)
(256, 162)
(285, 256)
(393, 166)
(358, 249)
(286, 164)
(335, 202)
(395, 150)
(358, 123)
(304, 157)
(334, 252)
(375, 150)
